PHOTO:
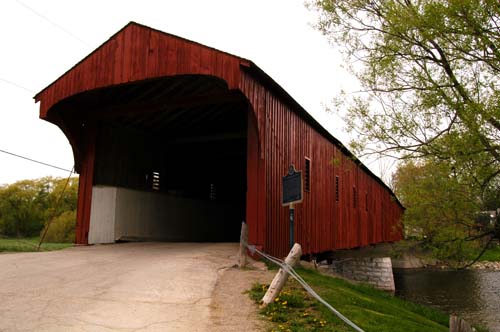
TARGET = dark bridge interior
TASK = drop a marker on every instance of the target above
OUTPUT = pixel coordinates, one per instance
(181, 138)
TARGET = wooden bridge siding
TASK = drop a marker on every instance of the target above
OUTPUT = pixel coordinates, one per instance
(137, 53)
(322, 224)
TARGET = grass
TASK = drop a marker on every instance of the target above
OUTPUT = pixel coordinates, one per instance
(491, 255)
(371, 309)
(28, 244)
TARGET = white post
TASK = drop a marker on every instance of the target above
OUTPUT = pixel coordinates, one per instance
(242, 262)
(282, 276)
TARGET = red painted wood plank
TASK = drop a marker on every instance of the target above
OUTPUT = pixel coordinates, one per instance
(164, 55)
(205, 61)
(153, 55)
(99, 74)
(118, 59)
(183, 60)
(195, 59)
(126, 74)
(140, 54)
(85, 189)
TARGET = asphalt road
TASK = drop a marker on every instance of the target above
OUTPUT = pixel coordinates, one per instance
(119, 287)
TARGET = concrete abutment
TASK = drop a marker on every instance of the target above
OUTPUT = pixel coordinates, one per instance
(376, 271)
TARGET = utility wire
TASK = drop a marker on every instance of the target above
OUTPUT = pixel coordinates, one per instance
(53, 23)
(17, 85)
(35, 161)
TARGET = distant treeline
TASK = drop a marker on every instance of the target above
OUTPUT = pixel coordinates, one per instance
(27, 206)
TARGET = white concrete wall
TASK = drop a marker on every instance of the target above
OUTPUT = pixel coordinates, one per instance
(102, 215)
(126, 214)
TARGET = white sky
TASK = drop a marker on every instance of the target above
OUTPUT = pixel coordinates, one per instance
(275, 34)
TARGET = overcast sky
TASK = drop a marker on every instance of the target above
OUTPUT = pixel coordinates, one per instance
(42, 39)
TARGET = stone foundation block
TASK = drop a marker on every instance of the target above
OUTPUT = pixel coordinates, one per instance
(374, 271)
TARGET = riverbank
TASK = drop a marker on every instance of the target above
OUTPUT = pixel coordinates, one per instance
(370, 309)
(417, 259)
(495, 266)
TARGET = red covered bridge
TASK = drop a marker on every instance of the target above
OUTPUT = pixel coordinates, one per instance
(177, 141)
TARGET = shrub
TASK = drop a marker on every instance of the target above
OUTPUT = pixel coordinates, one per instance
(62, 228)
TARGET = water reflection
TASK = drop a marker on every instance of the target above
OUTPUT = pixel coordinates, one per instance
(472, 294)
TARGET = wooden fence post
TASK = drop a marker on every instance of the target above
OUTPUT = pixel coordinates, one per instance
(242, 262)
(281, 277)
(459, 325)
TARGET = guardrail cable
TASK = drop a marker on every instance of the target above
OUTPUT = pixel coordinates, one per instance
(287, 268)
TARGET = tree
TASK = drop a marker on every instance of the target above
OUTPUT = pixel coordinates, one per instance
(430, 70)
(25, 206)
(61, 228)
(22, 207)
(442, 209)
(62, 195)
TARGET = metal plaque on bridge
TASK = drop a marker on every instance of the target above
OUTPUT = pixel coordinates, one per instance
(292, 187)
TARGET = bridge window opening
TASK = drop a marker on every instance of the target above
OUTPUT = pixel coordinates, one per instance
(156, 181)
(213, 192)
(307, 175)
(336, 188)
(354, 197)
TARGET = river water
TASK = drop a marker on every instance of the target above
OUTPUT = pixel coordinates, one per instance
(472, 294)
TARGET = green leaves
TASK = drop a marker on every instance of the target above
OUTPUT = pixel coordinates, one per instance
(430, 70)
(442, 207)
(26, 205)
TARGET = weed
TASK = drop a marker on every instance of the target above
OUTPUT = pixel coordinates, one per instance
(295, 310)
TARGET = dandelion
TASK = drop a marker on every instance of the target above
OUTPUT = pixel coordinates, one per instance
(284, 302)
(277, 299)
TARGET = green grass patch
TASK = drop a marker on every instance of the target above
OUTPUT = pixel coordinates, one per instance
(28, 245)
(491, 255)
(270, 265)
(371, 309)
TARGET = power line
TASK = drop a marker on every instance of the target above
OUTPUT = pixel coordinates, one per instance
(35, 161)
(17, 85)
(53, 23)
